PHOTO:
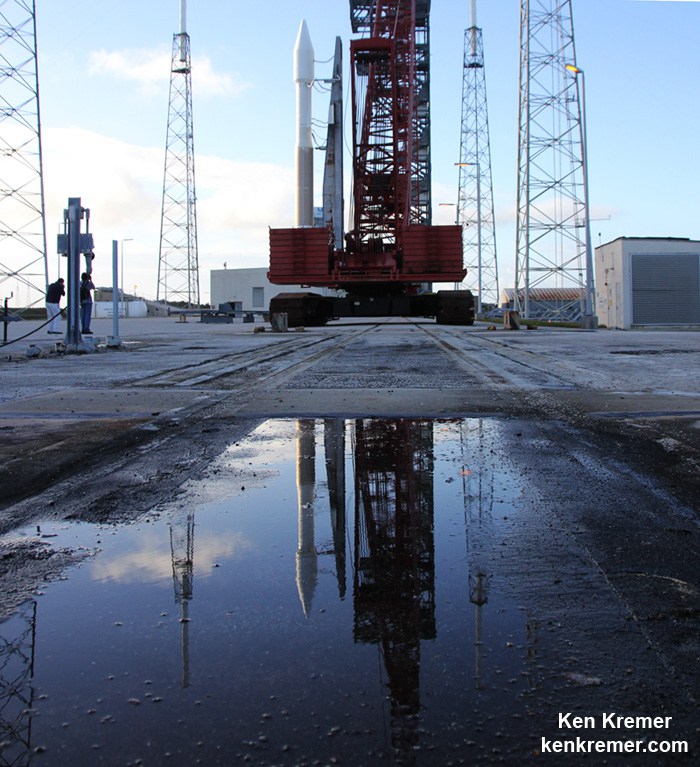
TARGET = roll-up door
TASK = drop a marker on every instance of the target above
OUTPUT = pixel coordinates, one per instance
(665, 289)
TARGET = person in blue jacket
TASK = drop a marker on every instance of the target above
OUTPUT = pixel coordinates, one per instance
(86, 288)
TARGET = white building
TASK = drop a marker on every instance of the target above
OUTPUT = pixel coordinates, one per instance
(251, 288)
(648, 282)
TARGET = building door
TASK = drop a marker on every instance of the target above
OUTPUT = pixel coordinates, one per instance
(258, 298)
(665, 289)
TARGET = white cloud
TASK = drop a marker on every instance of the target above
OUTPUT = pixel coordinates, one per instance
(151, 69)
(122, 180)
(152, 558)
(122, 184)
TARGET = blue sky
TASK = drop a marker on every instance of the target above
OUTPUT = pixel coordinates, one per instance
(104, 72)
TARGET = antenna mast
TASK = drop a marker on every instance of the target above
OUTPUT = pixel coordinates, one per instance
(178, 259)
(23, 262)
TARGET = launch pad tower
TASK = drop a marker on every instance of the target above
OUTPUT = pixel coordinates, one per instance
(551, 250)
(475, 209)
(178, 259)
(23, 259)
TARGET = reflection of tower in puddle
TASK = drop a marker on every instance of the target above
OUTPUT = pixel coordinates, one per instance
(17, 639)
(478, 596)
(478, 485)
(307, 558)
(182, 554)
(394, 578)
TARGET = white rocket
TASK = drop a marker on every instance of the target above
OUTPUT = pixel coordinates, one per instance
(304, 78)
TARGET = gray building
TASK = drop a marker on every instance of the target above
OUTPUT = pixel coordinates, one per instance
(648, 282)
(250, 288)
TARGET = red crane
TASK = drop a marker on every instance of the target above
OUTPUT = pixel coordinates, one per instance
(392, 253)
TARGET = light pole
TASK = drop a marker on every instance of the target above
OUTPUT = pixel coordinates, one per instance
(478, 225)
(590, 320)
(126, 239)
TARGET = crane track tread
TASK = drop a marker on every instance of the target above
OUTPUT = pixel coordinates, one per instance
(527, 361)
(210, 369)
(252, 362)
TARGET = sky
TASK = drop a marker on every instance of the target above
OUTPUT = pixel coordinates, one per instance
(104, 72)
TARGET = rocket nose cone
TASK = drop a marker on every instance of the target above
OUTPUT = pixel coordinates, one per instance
(303, 38)
(303, 54)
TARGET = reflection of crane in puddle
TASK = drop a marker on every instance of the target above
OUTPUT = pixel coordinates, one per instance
(17, 642)
(394, 579)
(394, 568)
(182, 555)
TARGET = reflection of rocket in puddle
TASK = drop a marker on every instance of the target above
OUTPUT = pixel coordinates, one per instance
(182, 554)
(334, 444)
(307, 558)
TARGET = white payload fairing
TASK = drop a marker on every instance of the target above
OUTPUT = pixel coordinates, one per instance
(304, 78)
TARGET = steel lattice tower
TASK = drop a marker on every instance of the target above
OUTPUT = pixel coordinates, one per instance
(475, 209)
(551, 246)
(23, 261)
(178, 260)
(17, 644)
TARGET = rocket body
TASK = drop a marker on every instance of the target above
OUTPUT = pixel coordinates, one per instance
(303, 79)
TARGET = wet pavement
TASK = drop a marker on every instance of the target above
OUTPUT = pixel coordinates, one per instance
(350, 591)
(389, 543)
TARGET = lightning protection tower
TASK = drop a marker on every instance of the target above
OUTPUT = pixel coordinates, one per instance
(552, 212)
(178, 260)
(475, 209)
(23, 261)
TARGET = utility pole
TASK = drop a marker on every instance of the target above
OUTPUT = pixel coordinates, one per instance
(178, 259)
(475, 208)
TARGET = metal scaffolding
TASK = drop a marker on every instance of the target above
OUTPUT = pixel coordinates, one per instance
(17, 642)
(23, 261)
(368, 18)
(178, 260)
(475, 208)
(552, 210)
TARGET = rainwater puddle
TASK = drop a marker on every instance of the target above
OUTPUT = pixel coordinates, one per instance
(329, 592)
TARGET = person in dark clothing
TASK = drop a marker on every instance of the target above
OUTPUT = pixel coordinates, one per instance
(86, 288)
(53, 310)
